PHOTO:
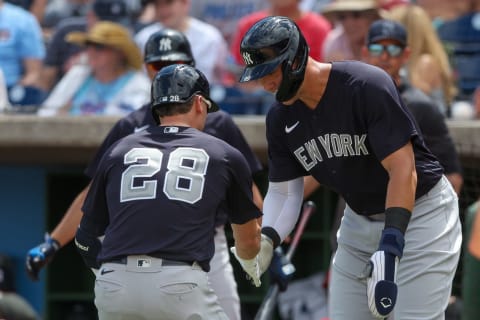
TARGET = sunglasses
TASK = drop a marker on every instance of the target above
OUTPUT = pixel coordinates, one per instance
(159, 65)
(377, 50)
(208, 103)
(96, 46)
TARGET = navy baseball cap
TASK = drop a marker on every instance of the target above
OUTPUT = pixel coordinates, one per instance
(387, 29)
(111, 10)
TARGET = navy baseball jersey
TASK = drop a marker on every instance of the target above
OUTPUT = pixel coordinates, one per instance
(434, 129)
(343, 140)
(154, 187)
(218, 124)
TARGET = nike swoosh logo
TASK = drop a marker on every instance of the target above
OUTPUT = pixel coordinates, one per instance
(138, 129)
(105, 271)
(290, 129)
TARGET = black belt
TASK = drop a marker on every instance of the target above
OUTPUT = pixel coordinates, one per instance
(165, 262)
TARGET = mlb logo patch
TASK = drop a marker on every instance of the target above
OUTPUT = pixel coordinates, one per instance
(144, 263)
(170, 130)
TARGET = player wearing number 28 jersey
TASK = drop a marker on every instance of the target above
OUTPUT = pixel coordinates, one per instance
(155, 197)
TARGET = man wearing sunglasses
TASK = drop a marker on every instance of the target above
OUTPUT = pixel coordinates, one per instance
(387, 49)
(163, 48)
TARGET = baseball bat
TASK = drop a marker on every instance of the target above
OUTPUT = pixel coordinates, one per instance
(267, 307)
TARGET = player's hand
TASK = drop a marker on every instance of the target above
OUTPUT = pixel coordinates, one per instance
(381, 273)
(41, 255)
(281, 269)
(250, 266)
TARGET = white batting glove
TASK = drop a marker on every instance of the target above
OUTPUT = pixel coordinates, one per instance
(250, 266)
(381, 287)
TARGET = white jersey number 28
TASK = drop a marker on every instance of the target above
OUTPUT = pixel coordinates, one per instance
(184, 179)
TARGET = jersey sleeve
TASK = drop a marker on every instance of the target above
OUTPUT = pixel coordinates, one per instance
(233, 136)
(95, 209)
(385, 115)
(121, 129)
(282, 166)
(436, 135)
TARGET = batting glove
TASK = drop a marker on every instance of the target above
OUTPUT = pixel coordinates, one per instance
(250, 266)
(281, 269)
(381, 273)
(266, 253)
(41, 255)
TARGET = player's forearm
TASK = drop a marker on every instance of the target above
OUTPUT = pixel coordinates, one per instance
(65, 231)
(402, 183)
(247, 239)
(281, 208)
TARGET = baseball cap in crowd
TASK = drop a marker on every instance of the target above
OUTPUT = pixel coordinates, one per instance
(387, 30)
(112, 10)
(336, 7)
(113, 35)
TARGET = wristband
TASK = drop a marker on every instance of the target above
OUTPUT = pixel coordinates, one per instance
(398, 218)
(273, 235)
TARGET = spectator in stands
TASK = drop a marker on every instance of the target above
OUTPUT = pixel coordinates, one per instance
(21, 53)
(444, 10)
(387, 48)
(62, 55)
(110, 83)
(461, 36)
(225, 14)
(209, 48)
(12, 305)
(428, 67)
(36, 7)
(351, 19)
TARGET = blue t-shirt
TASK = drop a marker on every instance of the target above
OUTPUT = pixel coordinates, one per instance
(93, 96)
(20, 38)
(359, 121)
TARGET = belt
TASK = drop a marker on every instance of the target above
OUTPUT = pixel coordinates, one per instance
(376, 217)
(165, 262)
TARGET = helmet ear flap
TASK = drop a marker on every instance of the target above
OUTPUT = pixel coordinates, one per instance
(293, 72)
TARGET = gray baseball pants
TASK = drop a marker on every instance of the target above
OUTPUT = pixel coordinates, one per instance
(144, 289)
(425, 272)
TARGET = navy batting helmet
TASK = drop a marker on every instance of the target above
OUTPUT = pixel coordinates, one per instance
(177, 84)
(168, 45)
(271, 42)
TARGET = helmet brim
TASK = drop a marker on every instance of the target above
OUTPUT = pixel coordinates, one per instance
(260, 70)
(174, 56)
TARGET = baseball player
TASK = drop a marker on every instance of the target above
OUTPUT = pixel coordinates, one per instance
(163, 48)
(155, 197)
(345, 124)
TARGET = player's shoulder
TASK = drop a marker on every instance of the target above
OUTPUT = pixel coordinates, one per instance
(360, 75)
(218, 117)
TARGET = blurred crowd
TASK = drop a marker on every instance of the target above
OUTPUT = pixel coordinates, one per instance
(82, 57)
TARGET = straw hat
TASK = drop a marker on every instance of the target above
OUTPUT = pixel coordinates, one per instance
(337, 6)
(112, 35)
